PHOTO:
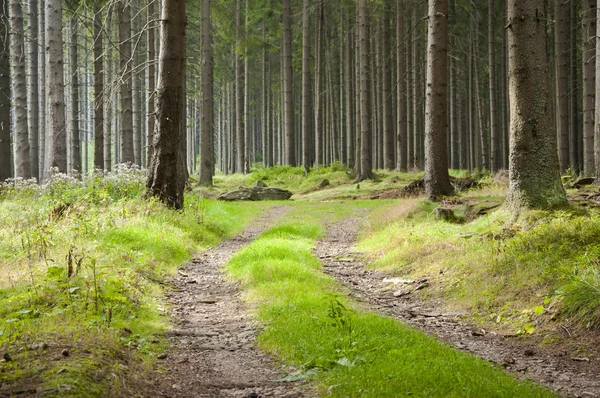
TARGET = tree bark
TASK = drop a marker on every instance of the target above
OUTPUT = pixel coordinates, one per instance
(167, 173)
(389, 147)
(401, 132)
(494, 141)
(318, 87)
(5, 147)
(206, 129)
(33, 101)
(561, 50)
(98, 90)
(366, 168)
(56, 136)
(239, 93)
(437, 180)
(589, 84)
(306, 111)
(74, 132)
(19, 91)
(534, 169)
(150, 77)
(125, 63)
(288, 87)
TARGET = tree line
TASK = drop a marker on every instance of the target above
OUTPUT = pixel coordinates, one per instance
(295, 82)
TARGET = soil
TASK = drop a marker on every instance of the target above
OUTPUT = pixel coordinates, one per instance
(212, 342)
(567, 372)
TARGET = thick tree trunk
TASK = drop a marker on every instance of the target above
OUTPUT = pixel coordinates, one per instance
(33, 101)
(5, 147)
(589, 84)
(167, 173)
(74, 132)
(437, 180)
(366, 167)
(561, 50)
(125, 63)
(206, 129)
(534, 168)
(306, 111)
(56, 136)
(288, 87)
(19, 91)
(98, 90)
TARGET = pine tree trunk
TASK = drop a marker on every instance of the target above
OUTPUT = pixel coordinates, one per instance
(389, 147)
(366, 172)
(306, 111)
(288, 87)
(136, 90)
(5, 146)
(98, 89)
(494, 147)
(19, 91)
(574, 134)
(33, 102)
(125, 63)
(239, 93)
(437, 181)
(318, 80)
(74, 133)
(401, 163)
(350, 97)
(561, 41)
(534, 168)
(168, 172)
(589, 84)
(56, 132)
(206, 129)
(151, 79)
(42, 86)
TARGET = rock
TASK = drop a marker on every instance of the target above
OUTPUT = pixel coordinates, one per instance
(509, 361)
(259, 184)
(529, 353)
(324, 183)
(65, 353)
(256, 194)
(253, 394)
(443, 213)
(162, 356)
(580, 182)
(7, 357)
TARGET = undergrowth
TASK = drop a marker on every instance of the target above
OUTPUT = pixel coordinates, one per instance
(82, 268)
(311, 324)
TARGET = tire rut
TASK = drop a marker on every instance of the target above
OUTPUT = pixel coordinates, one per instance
(212, 351)
(522, 359)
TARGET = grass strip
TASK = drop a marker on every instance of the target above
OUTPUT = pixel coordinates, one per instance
(347, 351)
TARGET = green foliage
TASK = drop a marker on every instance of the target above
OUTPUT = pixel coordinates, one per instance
(349, 352)
(82, 265)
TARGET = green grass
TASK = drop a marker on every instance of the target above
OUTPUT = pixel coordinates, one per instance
(311, 324)
(83, 266)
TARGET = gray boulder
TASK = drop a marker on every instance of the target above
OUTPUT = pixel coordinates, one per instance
(256, 193)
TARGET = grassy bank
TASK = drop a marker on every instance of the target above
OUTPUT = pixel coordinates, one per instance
(350, 352)
(83, 268)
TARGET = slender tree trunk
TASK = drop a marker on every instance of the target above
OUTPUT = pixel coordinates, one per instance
(42, 86)
(389, 147)
(534, 169)
(306, 111)
(318, 80)
(401, 133)
(366, 167)
(168, 172)
(288, 87)
(136, 90)
(239, 93)
(19, 91)
(74, 133)
(56, 153)
(206, 130)
(494, 147)
(575, 139)
(416, 140)
(150, 78)
(561, 41)
(589, 84)
(98, 90)
(247, 122)
(437, 181)
(125, 63)
(350, 97)
(33, 101)
(5, 147)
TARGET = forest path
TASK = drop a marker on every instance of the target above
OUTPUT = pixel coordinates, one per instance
(555, 369)
(212, 351)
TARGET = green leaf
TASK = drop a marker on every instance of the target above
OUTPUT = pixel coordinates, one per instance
(529, 328)
(54, 272)
(539, 310)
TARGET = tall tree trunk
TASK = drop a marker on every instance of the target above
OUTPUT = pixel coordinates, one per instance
(125, 63)
(150, 78)
(74, 132)
(589, 84)
(306, 111)
(574, 133)
(561, 50)
(56, 136)
(239, 93)
(534, 169)
(5, 147)
(318, 88)
(350, 97)
(33, 102)
(389, 148)
(19, 91)
(136, 90)
(494, 141)
(366, 168)
(42, 131)
(437, 180)
(98, 90)
(288, 87)
(168, 172)
(401, 133)
(206, 130)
